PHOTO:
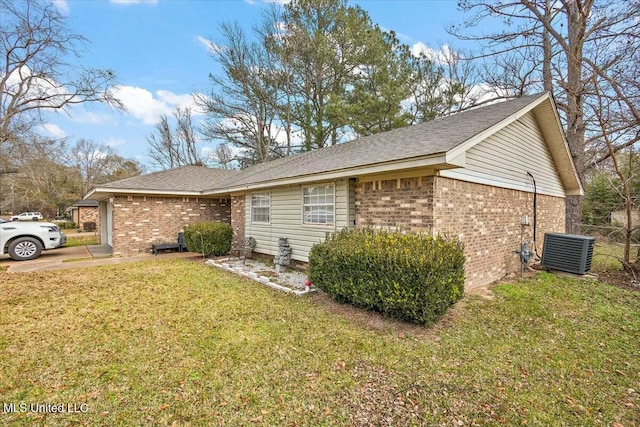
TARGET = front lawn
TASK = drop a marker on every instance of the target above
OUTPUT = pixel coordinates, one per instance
(179, 343)
(84, 240)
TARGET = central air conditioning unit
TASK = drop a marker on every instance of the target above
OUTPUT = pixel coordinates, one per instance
(571, 253)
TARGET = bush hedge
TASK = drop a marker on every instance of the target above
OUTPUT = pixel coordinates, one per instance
(413, 277)
(209, 238)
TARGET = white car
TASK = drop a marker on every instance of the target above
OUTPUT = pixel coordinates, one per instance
(27, 216)
(27, 240)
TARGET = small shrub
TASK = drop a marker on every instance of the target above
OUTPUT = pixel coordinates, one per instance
(209, 238)
(412, 277)
(67, 225)
(89, 226)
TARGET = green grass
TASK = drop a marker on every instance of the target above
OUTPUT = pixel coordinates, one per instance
(606, 257)
(91, 239)
(174, 342)
(86, 258)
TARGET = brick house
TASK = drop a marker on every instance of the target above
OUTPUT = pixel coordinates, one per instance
(468, 174)
(84, 211)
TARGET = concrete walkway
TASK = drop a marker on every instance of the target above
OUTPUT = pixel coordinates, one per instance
(80, 257)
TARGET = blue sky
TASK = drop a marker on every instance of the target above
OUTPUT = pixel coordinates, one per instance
(156, 49)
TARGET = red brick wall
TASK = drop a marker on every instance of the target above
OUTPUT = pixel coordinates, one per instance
(237, 220)
(403, 204)
(140, 221)
(487, 220)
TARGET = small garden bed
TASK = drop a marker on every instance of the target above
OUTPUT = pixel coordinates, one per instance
(286, 279)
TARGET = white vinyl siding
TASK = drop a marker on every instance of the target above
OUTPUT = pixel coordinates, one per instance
(504, 158)
(260, 207)
(286, 221)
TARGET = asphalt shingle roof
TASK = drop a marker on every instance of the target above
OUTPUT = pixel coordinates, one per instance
(86, 203)
(185, 178)
(429, 138)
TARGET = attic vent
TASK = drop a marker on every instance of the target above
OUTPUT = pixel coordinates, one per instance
(568, 252)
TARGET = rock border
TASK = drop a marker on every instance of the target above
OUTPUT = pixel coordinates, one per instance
(264, 280)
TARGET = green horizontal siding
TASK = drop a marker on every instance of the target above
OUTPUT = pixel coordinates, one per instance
(286, 221)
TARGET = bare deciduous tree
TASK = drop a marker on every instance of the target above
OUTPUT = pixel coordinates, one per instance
(563, 46)
(172, 147)
(626, 174)
(43, 183)
(241, 107)
(92, 163)
(223, 156)
(36, 45)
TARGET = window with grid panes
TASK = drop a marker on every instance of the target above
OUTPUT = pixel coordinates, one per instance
(317, 205)
(260, 207)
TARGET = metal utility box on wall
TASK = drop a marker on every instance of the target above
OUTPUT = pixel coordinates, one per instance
(571, 253)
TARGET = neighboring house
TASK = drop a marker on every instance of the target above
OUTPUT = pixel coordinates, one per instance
(619, 217)
(84, 211)
(463, 175)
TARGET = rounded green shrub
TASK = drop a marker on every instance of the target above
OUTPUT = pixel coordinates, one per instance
(413, 277)
(209, 238)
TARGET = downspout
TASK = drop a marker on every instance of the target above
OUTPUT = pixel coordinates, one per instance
(535, 213)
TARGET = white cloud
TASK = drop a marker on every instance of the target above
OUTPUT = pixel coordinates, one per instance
(252, 2)
(169, 97)
(401, 36)
(80, 115)
(443, 55)
(210, 153)
(39, 89)
(208, 44)
(115, 142)
(143, 105)
(483, 92)
(62, 5)
(53, 130)
(126, 2)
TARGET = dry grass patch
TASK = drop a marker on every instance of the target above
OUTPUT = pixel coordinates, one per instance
(175, 342)
(89, 239)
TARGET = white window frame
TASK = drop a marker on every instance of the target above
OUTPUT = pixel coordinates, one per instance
(321, 206)
(256, 199)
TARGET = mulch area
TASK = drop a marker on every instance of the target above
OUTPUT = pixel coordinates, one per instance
(379, 323)
(619, 279)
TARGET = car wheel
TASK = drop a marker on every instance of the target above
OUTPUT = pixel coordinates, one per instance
(14, 219)
(24, 248)
(35, 218)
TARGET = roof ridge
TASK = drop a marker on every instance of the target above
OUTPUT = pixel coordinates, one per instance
(306, 157)
(430, 138)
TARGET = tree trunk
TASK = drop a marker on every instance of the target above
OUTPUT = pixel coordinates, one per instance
(547, 79)
(575, 113)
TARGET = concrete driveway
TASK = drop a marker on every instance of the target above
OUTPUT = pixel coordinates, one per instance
(79, 256)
